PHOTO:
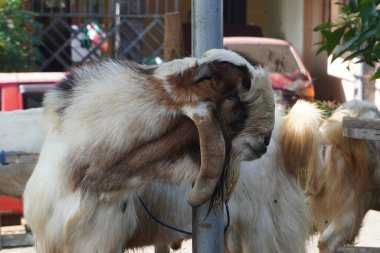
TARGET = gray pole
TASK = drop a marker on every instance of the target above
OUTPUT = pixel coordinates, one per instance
(207, 33)
(207, 26)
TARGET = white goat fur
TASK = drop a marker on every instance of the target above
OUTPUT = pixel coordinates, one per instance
(268, 208)
(342, 175)
(65, 220)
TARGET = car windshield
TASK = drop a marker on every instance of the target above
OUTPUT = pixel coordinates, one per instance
(278, 58)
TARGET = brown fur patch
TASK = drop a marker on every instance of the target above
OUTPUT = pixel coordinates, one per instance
(109, 170)
(225, 80)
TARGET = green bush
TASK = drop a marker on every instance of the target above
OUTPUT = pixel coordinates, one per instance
(327, 107)
(356, 33)
(19, 38)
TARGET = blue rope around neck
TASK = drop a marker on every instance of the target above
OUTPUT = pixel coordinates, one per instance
(174, 228)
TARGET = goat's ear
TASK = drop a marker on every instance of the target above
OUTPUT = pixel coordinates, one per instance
(212, 149)
(203, 72)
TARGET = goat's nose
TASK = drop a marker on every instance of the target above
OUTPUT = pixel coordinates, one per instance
(267, 139)
(263, 150)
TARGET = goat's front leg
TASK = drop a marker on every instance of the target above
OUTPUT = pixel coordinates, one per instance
(329, 239)
(339, 232)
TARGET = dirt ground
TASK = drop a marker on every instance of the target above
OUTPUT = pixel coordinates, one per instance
(369, 236)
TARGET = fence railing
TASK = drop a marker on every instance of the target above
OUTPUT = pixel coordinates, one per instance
(76, 31)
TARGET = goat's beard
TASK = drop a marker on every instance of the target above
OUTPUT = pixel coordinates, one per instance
(228, 179)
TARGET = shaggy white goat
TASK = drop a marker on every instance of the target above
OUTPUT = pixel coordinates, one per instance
(342, 173)
(268, 209)
(114, 127)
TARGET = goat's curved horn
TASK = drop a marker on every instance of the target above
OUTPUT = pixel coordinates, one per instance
(212, 149)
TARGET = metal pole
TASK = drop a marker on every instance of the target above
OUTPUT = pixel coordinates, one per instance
(207, 26)
(207, 33)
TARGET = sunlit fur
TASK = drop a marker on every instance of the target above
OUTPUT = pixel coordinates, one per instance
(342, 182)
(67, 219)
(298, 137)
(268, 209)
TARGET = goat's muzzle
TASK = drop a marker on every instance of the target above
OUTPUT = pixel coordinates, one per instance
(255, 146)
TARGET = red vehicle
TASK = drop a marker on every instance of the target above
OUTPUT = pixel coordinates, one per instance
(22, 91)
(290, 78)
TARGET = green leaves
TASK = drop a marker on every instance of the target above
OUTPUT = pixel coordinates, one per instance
(323, 26)
(19, 38)
(376, 75)
(356, 32)
(333, 38)
(353, 5)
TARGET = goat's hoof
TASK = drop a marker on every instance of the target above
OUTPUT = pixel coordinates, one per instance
(322, 246)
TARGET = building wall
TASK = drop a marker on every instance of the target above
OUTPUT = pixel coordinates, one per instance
(282, 19)
(286, 21)
(327, 87)
(257, 14)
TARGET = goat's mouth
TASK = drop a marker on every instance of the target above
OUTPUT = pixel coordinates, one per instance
(255, 151)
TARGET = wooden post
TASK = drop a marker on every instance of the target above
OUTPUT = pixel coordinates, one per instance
(365, 129)
(1, 240)
(17, 240)
(172, 36)
(352, 249)
(16, 173)
(171, 52)
(360, 128)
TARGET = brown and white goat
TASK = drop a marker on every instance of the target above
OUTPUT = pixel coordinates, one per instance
(342, 181)
(116, 127)
(268, 211)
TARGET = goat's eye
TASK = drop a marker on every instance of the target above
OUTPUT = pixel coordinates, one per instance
(246, 83)
(232, 96)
